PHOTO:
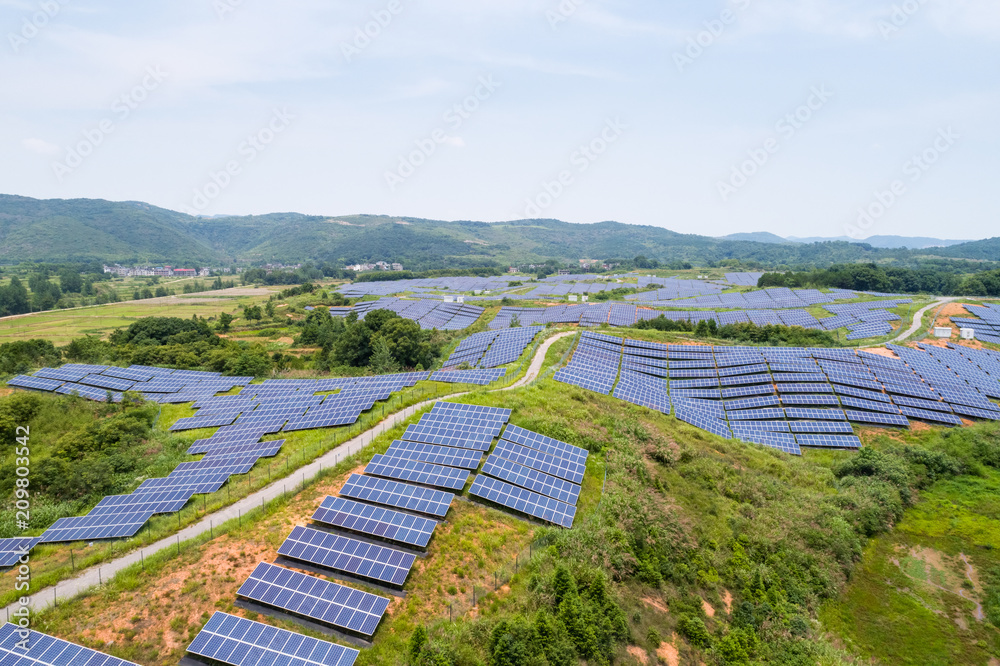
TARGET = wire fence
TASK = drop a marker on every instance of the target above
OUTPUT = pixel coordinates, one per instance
(470, 591)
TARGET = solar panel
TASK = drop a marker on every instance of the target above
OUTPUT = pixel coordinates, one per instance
(326, 418)
(399, 495)
(928, 415)
(919, 403)
(340, 553)
(564, 468)
(802, 399)
(438, 455)
(168, 501)
(988, 414)
(375, 521)
(523, 501)
(877, 418)
(781, 441)
(539, 442)
(817, 414)
(128, 373)
(12, 549)
(240, 642)
(93, 527)
(532, 479)
(705, 421)
(35, 383)
(753, 403)
(755, 414)
(45, 650)
(830, 441)
(478, 411)
(487, 425)
(414, 471)
(111, 383)
(821, 427)
(448, 435)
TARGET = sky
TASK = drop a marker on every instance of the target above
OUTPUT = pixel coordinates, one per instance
(796, 117)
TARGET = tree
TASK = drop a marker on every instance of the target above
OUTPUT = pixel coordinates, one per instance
(269, 309)
(70, 281)
(250, 363)
(225, 321)
(418, 641)
(382, 361)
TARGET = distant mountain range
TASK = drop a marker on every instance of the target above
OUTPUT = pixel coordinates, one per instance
(57, 230)
(884, 242)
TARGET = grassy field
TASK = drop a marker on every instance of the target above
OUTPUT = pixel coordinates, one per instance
(62, 326)
(916, 596)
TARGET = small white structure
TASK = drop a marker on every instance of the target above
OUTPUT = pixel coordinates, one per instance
(968, 334)
(460, 299)
(449, 299)
(572, 297)
(942, 332)
(586, 299)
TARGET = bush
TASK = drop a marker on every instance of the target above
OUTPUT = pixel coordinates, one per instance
(693, 628)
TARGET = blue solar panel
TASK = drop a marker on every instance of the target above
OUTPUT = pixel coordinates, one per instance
(558, 466)
(877, 418)
(398, 495)
(351, 556)
(523, 501)
(755, 414)
(822, 427)
(415, 471)
(11, 550)
(93, 527)
(705, 421)
(753, 403)
(438, 455)
(539, 442)
(477, 411)
(240, 642)
(532, 479)
(375, 521)
(817, 414)
(803, 399)
(320, 600)
(928, 415)
(44, 650)
(448, 435)
(829, 441)
(870, 405)
(776, 440)
(35, 383)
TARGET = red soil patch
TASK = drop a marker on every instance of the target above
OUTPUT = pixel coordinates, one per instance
(727, 601)
(707, 607)
(668, 653)
(638, 654)
(653, 603)
(880, 351)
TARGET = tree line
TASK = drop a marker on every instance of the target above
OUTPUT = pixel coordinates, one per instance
(937, 280)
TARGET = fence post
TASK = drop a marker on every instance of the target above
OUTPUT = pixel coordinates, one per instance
(72, 560)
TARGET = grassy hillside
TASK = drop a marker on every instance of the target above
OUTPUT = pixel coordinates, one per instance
(83, 229)
(686, 549)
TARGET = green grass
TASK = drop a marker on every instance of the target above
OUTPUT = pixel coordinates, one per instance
(891, 614)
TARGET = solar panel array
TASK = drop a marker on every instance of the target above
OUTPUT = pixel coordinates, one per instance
(986, 324)
(532, 474)
(336, 552)
(45, 650)
(236, 641)
(11, 550)
(241, 420)
(429, 314)
(787, 398)
(490, 349)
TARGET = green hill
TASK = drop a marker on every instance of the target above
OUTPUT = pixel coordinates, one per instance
(88, 229)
